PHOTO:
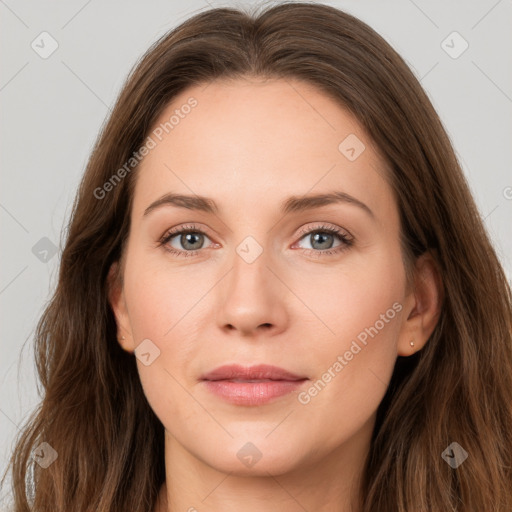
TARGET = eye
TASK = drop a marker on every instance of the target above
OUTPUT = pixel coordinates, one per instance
(189, 240)
(184, 240)
(322, 240)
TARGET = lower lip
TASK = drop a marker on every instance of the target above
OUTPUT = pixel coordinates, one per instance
(252, 393)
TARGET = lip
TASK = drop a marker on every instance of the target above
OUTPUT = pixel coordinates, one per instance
(254, 385)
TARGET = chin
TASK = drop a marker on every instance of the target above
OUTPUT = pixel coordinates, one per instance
(259, 457)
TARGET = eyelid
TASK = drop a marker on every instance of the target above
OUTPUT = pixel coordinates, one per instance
(184, 228)
(324, 226)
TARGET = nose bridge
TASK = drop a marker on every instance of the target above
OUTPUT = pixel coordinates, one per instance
(250, 296)
(250, 272)
(252, 248)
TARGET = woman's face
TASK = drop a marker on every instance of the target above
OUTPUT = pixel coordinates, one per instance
(267, 275)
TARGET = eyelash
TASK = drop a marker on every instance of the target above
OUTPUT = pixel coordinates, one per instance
(345, 239)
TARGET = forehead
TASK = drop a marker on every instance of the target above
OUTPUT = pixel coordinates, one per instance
(256, 137)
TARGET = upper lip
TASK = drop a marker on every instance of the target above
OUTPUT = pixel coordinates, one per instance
(258, 372)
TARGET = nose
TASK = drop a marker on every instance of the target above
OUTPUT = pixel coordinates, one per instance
(252, 299)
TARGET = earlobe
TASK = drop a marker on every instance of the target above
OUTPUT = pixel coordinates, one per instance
(118, 305)
(423, 306)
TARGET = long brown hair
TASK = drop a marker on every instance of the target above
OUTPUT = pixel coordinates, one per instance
(94, 413)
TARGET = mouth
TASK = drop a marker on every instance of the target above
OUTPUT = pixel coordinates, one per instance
(255, 385)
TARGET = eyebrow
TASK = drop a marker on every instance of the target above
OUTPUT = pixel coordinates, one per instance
(292, 204)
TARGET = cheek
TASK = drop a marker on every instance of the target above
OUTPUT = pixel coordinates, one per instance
(345, 301)
(161, 309)
(360, 309)
(160, 299)
(168, 306)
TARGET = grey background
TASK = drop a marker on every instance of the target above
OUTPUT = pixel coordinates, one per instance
(52, 110)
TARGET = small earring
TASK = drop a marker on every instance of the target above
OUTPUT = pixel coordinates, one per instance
(123, 338)
(412, 343)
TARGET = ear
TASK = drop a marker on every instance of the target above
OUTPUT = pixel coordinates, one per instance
(422, 306)
(118, 304)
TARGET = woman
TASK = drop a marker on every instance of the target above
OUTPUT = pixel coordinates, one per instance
(276, 291)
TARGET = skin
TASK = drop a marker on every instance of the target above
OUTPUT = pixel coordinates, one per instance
(249, 145)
